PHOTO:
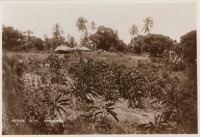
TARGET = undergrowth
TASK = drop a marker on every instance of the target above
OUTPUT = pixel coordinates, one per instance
(52, 88)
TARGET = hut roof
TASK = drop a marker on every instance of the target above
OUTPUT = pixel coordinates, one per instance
(84, 48)
(63, 48)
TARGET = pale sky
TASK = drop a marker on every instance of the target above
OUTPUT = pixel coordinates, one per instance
(170, 19)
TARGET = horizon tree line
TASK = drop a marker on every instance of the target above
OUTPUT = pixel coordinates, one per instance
(14, 39)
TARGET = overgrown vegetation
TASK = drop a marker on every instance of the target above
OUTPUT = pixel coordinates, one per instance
(50, 89)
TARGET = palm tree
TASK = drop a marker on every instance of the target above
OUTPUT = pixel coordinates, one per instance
(81, 24)
(93, 25)
(133, 32)
(148, 24)
(57, 38)
(57, 31)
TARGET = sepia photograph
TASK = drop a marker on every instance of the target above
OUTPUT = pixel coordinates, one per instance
(91, 67)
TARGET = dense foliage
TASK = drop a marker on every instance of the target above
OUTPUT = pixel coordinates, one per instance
(107, 39)
(155, 44)
(91, 88)
(13, 39)
(94, 79)
(87, 89)
(189, 45)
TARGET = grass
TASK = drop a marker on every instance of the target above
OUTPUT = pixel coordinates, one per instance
(122, 59)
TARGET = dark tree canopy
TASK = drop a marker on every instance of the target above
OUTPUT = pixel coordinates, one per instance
(155, 44)
(11, 38)
(107, 39)
(57, 42)
(38, 43)
(189, 44)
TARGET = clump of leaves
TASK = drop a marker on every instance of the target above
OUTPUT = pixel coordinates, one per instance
(135, 98)
(57, 103)
(157, 126)
(98, 112)
(157, 86)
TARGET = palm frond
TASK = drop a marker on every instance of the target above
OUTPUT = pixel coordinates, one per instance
(113, 114)
(59, 111)
(63, 100)
(109, 104)
(58, 97)
(60, 107)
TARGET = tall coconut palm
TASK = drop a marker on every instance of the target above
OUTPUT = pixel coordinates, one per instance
(133, 32)
(148, 25)
(81, 24)
(57, 31)
(57, 38)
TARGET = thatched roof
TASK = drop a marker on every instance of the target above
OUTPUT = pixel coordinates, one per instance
(84, 48)
(75, 48)
(63, 48)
